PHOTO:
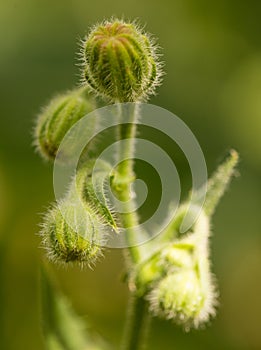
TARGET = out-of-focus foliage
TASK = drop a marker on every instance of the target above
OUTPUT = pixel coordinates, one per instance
(212, 53)
(63, 329)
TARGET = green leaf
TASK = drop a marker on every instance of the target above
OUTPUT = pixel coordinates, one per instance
(62, 328)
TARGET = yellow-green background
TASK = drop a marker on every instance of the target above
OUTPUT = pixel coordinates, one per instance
(212, 51)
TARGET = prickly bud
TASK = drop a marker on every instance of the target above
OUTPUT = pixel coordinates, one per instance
(149, 272)
(92, 183)
(185, 295)
(71, 234)
(58, 117)
(120, 62)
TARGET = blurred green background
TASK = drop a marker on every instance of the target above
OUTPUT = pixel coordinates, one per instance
(212, 53)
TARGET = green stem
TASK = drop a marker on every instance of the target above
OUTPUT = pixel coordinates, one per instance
(127, 132)
(137, 320)
(137, 325)
(219, 182)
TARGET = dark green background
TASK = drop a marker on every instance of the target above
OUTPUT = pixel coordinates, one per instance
(212, 51)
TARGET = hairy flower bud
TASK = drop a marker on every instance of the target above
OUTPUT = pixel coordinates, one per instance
(71, 234)
(185, 295)
(120, 62)
(176, 278)
(149, 272)
(58, 117)
(92, 182)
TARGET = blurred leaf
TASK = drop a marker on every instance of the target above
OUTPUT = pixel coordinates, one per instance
(63, 329)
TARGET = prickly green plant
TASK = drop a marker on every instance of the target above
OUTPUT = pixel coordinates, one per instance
(176, 278)
(169, 276)
(76, 228)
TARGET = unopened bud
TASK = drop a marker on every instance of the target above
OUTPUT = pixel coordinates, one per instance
(57, 118)
(120, 62)
(71, 234)
(186, 296)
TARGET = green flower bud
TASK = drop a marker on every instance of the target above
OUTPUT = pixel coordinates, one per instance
(149, 272)
(120, 62)
(185, 295)
(71, 234)
(57, 118)
(92, 185)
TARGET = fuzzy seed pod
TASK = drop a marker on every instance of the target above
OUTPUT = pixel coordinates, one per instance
(57, 118)
(120, 62)
(71, 234)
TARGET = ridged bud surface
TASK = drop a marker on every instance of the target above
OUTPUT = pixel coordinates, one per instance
(71, 234)
(92, 186)
(57, 118)
(120, 62)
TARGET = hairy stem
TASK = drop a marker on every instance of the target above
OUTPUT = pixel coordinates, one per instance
(127, 132)
(137, 318)
(219, 182)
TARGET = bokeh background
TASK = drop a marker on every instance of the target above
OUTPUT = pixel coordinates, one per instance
(212, 53)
